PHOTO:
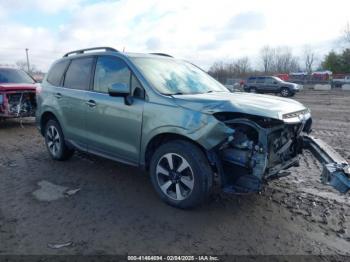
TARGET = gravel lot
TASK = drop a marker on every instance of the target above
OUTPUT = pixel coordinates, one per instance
(116, 210)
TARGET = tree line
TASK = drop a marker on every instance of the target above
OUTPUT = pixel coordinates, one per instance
(272, 60)
(279, 60)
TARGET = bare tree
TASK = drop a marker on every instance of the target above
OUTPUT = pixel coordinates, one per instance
(278, 60)
(309, 59)
(218, 71)
(284, 61)
(21, 64)
(242, 67)
(267, 56)
(236, 68)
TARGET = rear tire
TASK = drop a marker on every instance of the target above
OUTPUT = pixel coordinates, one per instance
(253, 90)
(55, 142)
(181, 174)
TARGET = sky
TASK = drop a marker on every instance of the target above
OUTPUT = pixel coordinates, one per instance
(199, 31)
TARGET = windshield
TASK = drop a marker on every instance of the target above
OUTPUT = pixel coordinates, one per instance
(8, 75)
(170, 76)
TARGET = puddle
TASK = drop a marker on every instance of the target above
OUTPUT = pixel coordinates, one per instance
(49, 192)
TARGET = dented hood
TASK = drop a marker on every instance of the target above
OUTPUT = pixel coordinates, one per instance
(254, 104)
(17, 87)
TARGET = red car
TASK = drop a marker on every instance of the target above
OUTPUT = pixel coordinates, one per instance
(17, 94)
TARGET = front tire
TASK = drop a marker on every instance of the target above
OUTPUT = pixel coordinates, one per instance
(285, 92)
(55, 142)
(181, 174)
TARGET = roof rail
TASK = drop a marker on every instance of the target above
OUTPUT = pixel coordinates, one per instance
(162, 54)
(82, 51)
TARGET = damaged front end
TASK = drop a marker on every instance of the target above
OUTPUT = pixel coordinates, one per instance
(260, 149)
(15, 104)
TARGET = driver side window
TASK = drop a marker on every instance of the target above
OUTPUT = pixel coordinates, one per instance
(110, 70)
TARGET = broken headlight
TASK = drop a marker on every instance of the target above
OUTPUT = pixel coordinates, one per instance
(296, 114)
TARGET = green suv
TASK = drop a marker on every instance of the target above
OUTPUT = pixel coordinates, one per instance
(172, 119)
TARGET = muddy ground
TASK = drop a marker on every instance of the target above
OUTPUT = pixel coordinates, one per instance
(116, 210)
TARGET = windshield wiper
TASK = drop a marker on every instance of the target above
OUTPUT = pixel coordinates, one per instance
(213, 91)
(173, 94)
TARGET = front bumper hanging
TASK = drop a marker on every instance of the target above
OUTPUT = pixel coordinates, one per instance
(336, 170)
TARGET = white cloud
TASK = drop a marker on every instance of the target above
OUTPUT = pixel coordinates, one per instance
(48, 6)
(201, 31)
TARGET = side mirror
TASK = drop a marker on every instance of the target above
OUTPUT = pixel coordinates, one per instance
(119, 89)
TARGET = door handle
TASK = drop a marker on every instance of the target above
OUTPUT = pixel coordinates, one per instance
(91, 103)
(58, 95)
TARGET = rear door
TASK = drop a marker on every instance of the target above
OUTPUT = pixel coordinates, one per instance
(251, 82)
(76, 85)
(114, 128)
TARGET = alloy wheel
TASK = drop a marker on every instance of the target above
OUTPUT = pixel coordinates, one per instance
(53, 140)
(175, 176)
(284, 92)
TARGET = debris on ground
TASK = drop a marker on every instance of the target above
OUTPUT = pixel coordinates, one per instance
(50, 192)
(60, 245)
(71, 192)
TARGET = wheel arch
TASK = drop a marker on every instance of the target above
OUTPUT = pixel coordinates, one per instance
(162, 138)
(45, 117)
(287, 87)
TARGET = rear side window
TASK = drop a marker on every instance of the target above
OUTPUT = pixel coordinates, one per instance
(79, 73)
(251, 80)
(260, 80)
(56, 73)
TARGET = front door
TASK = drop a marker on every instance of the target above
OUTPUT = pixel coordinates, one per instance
(114, 127)
(271, 84)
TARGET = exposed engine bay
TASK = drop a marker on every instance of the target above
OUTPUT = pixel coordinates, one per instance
(18, 104)
(260, 148)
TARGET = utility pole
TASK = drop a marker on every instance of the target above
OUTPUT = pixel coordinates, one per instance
(28, 66)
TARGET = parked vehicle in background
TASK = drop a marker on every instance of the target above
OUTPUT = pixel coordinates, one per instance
(233, 84)
(322, 75)
(284, 77)
(17, 94)
(339, 82)
(172, 119)
(271, 84)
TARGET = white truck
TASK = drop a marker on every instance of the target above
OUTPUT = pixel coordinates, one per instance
(339, 82)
